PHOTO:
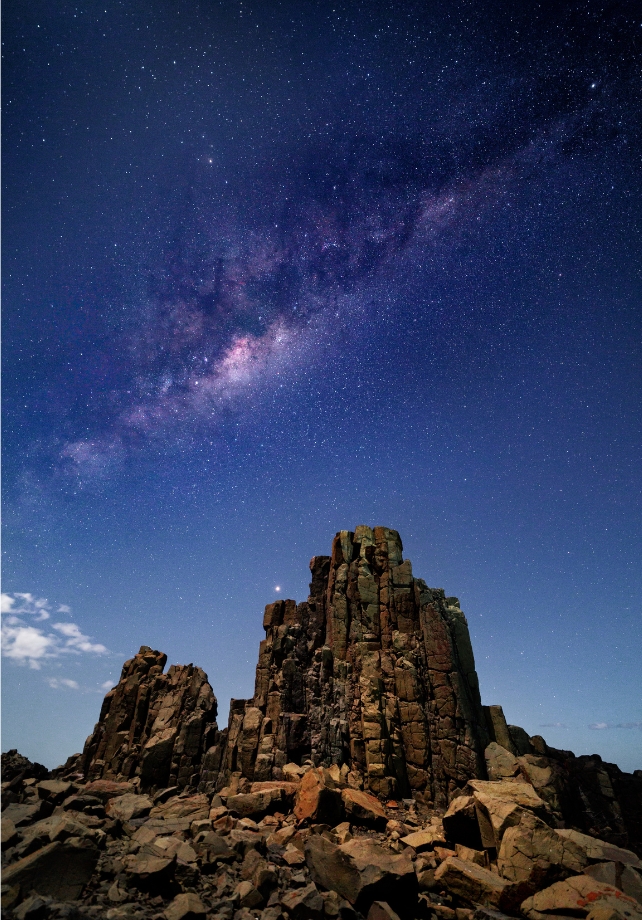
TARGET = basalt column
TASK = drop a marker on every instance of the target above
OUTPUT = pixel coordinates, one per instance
(152, 725)
(374, 670)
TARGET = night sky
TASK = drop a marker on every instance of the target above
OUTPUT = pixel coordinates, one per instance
(275, 269)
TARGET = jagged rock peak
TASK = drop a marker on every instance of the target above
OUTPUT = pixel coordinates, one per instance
(375, 670)
(152, 725)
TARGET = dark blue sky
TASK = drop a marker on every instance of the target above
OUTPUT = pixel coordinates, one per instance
(272, 270)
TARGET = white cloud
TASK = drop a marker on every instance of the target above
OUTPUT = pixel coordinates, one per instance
(31, 645)
(27, 644)
(24, 603)
(107, 685)
(57, 682)
(76, 639)
(599, 726)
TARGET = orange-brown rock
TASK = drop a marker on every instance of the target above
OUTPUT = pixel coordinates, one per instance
(374, 671)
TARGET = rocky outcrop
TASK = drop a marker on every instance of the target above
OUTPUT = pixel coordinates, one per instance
(373, 674)
(153, 726)
(375, 670)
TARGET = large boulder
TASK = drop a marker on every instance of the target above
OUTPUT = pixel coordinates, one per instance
(533, 855)
(362, 871)
(578, 896)
(600, 850)
(317, 801)
(60, 869)
(475, 883)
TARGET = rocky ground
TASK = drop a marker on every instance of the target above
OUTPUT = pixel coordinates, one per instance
(310, 846)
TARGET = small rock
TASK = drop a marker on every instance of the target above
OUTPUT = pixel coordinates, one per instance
(479, 857)
(426, 839)
(381, 910)
(187, 906)
(304, 903)
(248, 895)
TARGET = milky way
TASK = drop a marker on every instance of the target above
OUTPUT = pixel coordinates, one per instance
(248, 305)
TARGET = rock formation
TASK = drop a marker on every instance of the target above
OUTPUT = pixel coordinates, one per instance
(152, 725)
(374, 670)
(364, 779)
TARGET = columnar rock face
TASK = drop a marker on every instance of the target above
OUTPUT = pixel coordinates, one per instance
(375, 670)
(152, 725)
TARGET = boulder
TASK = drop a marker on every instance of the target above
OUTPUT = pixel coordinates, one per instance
(63, 827)
(316, 802)
(9, 835)
(256, 803)
(363, 808)
(191, 807)
(213, 849)
(362, 871)
(578, 896)
(60, 869)
(532, 854)
(619, 876)
(129, 806)
(303, 903)
(380, 910)
(106, 789)
(460, 822)
(599, 850)
(187, 906)
(153, 874)
(22, 814)
(425, 839)
(475, 883)
(479, 857)
(500, 763)
(54, 791)
(500, 805)
(248, 895)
